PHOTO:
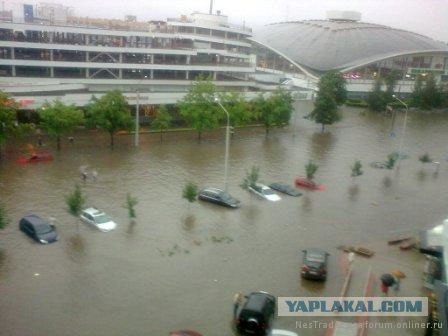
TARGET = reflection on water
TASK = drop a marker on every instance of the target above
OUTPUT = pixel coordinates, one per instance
(353, 192)
(188, 223)
(159, 274)
(76, 247)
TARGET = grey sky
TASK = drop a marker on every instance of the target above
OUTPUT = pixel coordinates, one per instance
(428, 17)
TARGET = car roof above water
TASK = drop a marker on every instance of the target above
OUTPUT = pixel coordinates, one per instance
(35, 220)
(257, 301)
(93, 211)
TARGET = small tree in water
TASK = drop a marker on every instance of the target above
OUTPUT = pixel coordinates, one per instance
(131, 202)
(425, 158)
(251, 178)
(391, 159)
(3, 217)
(162, 121)
(75, 201)
(357, 169)
(311, 169)
(190, 192)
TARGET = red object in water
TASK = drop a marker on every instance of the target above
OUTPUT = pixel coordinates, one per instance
(185, 333)
(305, 183)
(34, 158)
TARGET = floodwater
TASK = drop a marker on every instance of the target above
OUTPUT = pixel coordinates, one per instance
(179, 266)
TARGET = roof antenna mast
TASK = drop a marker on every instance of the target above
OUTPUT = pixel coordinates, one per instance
(211, 7)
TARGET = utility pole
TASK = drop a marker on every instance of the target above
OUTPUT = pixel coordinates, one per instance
(226, 158)
(137, 117)
(211, 7)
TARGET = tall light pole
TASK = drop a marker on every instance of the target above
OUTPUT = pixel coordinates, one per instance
(400, 148)
(226, 158)
(137, 117)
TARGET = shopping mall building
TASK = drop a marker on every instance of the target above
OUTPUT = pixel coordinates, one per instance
(46, 52)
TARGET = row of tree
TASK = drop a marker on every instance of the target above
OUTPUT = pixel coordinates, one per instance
(426, 94)
(111, 113)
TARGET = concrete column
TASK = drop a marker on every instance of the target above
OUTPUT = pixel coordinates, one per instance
(87, 73)
(51, 35)
(13, 68)
(188, 59)
(187, 75)
(120, 73)
(152, 74)
(87, 39)
(120, 58)
(51, 55)
(214, 75)
(87, 56)
(52, 72)
(152, 59)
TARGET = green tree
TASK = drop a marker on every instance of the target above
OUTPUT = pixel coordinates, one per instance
(9, 127)
(426, 94)
(130, 204)
(251, 178)
(58, 119)
(163, 120)
(377, 100)
(238, 109)
(332, 93)
(311, 169)
(325, 110)
(425, 158)
(199, 108)
(110, 113)
(357, 169)
(281, 102)
(391, 81)
(391, 160)
(335, 84)
(3, 217)
(273, 111)
(75, 201)
(190, 192)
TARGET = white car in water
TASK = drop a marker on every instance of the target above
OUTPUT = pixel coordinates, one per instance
(279, 332)
(264, 192)
(98, 219)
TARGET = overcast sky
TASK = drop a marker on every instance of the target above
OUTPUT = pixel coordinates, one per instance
(427, 17)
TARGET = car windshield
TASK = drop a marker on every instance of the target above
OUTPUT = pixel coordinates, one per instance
(226, 197)
(42, 229)
(101, 219)
(314, 258)
(268, 192)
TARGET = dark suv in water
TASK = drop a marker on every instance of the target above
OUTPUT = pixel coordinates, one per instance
(38, 229)
(256, 316)
(314, 264)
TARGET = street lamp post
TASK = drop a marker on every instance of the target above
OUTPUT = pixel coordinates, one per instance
(137, 117)
(226, 158)
(400, 148)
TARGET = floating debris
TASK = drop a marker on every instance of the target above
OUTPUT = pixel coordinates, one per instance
(364, 251)
(224, 239)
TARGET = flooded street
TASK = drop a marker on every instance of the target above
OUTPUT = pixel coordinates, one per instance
(179, 266)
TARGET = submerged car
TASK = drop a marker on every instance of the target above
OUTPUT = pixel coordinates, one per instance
(38, 229)
(98, 219)
(256, 315)
(285, 189)
(264, 192)
(280, 332)
(314, 264)
(218, 196)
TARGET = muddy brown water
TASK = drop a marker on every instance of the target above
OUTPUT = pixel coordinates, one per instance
(178, 266)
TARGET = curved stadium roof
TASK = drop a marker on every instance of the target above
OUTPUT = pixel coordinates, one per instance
(323, 45)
